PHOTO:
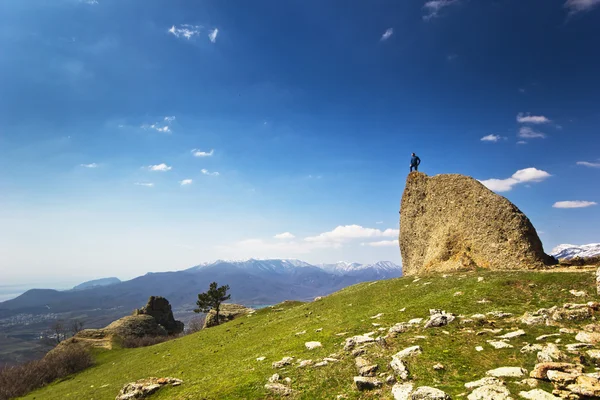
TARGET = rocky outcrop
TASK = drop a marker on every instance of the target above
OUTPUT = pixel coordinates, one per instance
(227, 312)
(145, 387)
(453, 222)
(159, 308)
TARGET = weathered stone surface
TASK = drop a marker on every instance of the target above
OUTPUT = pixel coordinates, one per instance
(588, 337)
(429, 393)
(358, 339)
(438, 318)
(408, 352)
(593, 354)
(227, 312)
(453, 222)
(159, 308)
(402, 391)
(399, 328)
(507, 372)
(136, 326)
(274, 378)
(279, 388)
(561, 378)
(366, 383)
(312, 345)
(585, 386)
(283, 362)
(483, 382)
(304, 363)
(514, 334)
(500, 344)
(538, 394)
(364, 367)
(551, 353)
(576, 314)
(531, 348)
(540, 371)
(399, 368)
(490, 392)
(143, 388)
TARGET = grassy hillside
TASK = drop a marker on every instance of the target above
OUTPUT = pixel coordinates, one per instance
(220, 362)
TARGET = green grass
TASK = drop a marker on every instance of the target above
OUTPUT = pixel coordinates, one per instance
(220, 362)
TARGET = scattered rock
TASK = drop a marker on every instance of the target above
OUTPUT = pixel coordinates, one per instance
(331, 359)
(575, 347)
(399, 368)
(358, 352)
(588, 337)
(567, 330)
(540, 370)
(429, 393)
(490, 392)
(415, 321)
(529, 382)
(537, 394)
(408, 352)
(585, 386)
(438, 367)
(499, 314)
(507, 372)
(561, 378)
(283, 362)
(544, 337)
(531, 348)
(279, 388)
(364, 367)
(478, 316)
(359, 339)
(458, 293)
(261, 358)
(480, 279)
(500, 345)
(533, 319)
(145, 387)
(569, 314)
(304, 363)
(274, 378)
(227, 312)
(483, 382)
(321, 364)
(438, 318)
(399, 328)
(319, 330)
(578, 293)
(550, 353)
(300, 333)
(514, 334)
(479, 348)
(402, 391)
(378, 316)
(593, 354)
(366, 383)
(312, 345)
(159, 308)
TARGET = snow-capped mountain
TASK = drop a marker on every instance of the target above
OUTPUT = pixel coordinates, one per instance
(346, 268)
(252, 264)
(569, 251)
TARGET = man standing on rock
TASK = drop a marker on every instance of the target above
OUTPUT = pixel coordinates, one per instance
(414, 162)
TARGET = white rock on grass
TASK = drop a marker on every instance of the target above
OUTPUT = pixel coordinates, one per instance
(313, 345)
(399, 368)
(366, 383)
(483, 382)
(490, 392)
(408, 352)
(377, 316)
(279, 388)
(304, 363)
(593, 354)
(429, 393)
(588, 337)
(500, 344)
(402, 391)
(479, 348)
(550, 353)
(283, 362)
(507, 372)
(321, 364)
(261, 358)
(415, 321)
(577, 346)
(544, 337)
(531, 348)
(578, 293)
(514, 334)
(274, 378)
(537, 394)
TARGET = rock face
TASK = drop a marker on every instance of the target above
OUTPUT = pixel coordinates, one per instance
(452, 222)
(227, 312)
(159, 308)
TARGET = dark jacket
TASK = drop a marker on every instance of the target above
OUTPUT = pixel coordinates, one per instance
(414, 160)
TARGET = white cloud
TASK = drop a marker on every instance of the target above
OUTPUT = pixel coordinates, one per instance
(532, 119)
(206, 172)
(576, 6)
(433, 7)
(387, 34)
(521, 142)
(521, 176)
(160, 167)
(212, 35)
(527, 133)
(348, 232)
(90, 2)
(169, 119)
(185, 31)
(382, 243)
(284, 235)
(161, 127)
(199, 153)
(574, 204)
(92, 165)
(186, 182)
(491, 138)
(588, 164)
(314, 177)
(146, 184)
(379, 222)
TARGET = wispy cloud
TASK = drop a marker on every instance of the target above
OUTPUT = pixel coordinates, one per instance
(589, 164)
(160, 167)
(492, 138)
(206, 172)
(532, 119)
(199, 153)
(574, 204)
(185, 31)
(284, 235)
(212, 35)
(145, 184)
(92, 165)
(433, 7)
(575, 6)
(348, 232)
(521, 176)
(521, 142)
(382, 243)
(186, 182)
(169, 119)
(314, 176)
(164, 127)
(387, 34)
(526, 132)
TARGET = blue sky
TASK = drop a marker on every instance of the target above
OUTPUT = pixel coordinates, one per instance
(154, 135)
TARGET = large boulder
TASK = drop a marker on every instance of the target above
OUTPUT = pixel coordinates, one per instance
(160, 309)
(452, 222)
(227, 312)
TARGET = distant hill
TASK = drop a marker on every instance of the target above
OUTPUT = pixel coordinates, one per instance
(252, 282)
(97, 282)
(570, 251)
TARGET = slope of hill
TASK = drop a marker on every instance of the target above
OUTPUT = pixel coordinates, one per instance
(223, 362)
(97, 282)
(570, 251)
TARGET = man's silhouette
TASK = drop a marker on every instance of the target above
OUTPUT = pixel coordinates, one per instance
(414, 162)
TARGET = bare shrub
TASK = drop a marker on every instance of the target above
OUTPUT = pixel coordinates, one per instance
(194, 325)
(21, 379)
(131, 342)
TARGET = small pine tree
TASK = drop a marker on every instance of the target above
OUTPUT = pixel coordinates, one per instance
(212, 299)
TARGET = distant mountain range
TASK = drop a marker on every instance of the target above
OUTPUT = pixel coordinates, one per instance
(569, 251)
(252, 282)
